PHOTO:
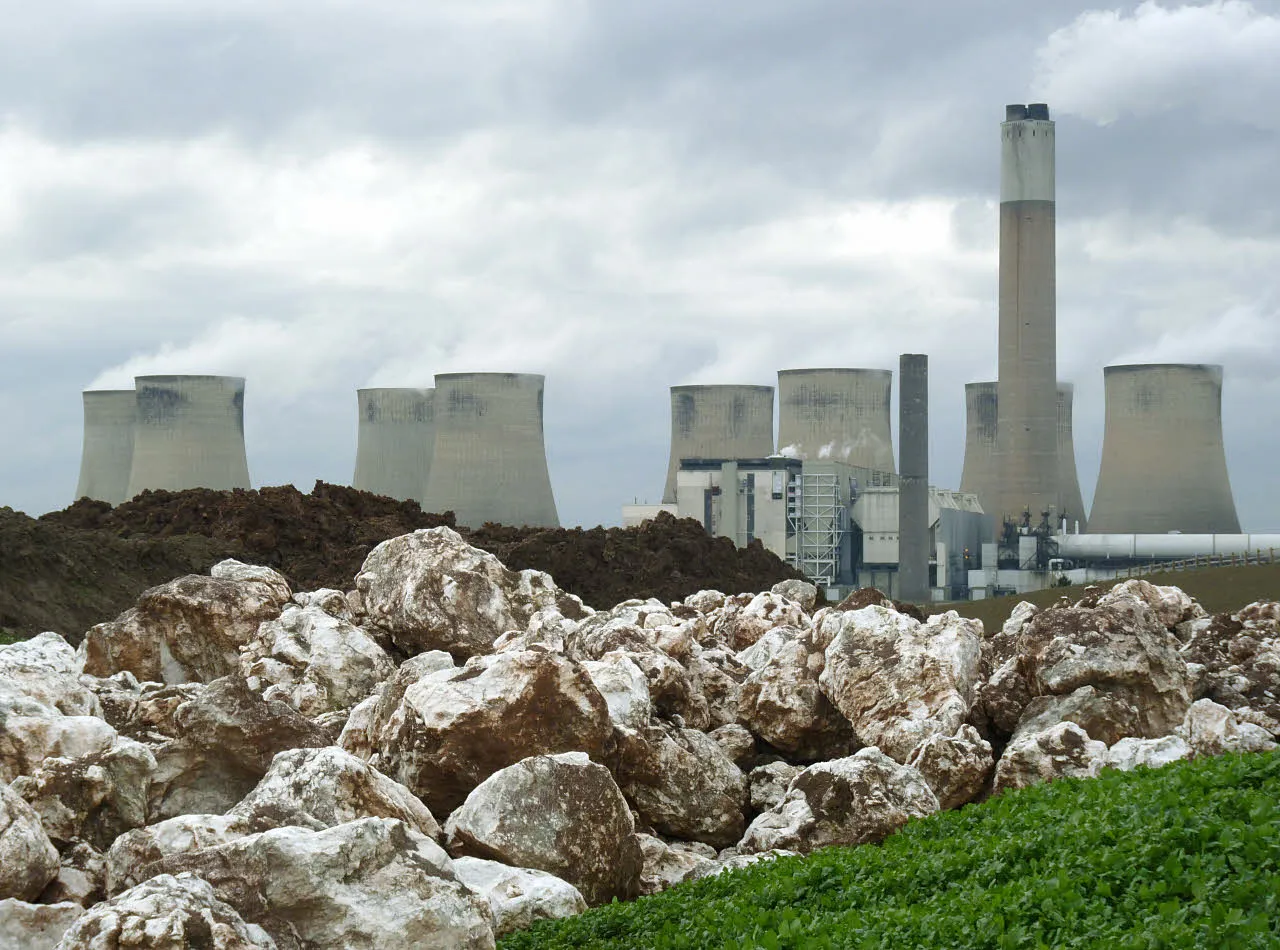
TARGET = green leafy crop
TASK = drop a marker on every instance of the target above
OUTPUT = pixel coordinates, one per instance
(1184, 856)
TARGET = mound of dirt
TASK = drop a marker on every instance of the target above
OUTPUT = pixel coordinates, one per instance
(85, 564)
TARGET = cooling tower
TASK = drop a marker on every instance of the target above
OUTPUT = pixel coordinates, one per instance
(1163, 464)
(1070, 501)
(841, 414)
(1027, 440)
(490, 459)
(718, 422)
(980, 473)
(108, 444)
(913, 478)
(395, 441)
(189, 434)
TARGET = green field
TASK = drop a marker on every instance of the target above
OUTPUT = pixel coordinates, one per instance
(1218, 589)
(1185, 856)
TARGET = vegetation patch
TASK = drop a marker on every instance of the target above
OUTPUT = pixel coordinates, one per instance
(1184, 856)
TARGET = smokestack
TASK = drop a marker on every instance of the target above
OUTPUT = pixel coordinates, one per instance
(189, 434)
(1027, 440)
(395, 441)
(107, 456)
(913, 479)
(490, 457)
(1164, 467)
(726, 422)
(1070, 501)
(980, 474)
(841, 414)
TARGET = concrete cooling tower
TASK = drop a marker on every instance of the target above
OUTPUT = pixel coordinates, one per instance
(108, 444)
(724, 422)
(841, 414)
(1070, 501)
(1163, 463)
(1027, 441)
(490, 459)
(189, 434)
(913, 491)
(395, 442)
(980, 474)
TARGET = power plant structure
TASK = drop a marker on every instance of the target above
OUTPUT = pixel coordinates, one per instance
(107, 456)
(979, 475)
(189, 433)
(913, 493)
(1070, 501)
(1164, 467)
(395, 442)
(489, 461)
(718, 421)
(1027, 430)
(840, 414)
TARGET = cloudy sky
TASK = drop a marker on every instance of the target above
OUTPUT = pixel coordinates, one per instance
(624, 195)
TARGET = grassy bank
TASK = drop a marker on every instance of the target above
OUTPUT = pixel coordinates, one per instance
(1186, 856)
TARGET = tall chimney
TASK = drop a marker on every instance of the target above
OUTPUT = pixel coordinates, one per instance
(1027, 436)
(913, 477)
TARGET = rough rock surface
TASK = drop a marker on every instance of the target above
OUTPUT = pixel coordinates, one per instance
(82, 877)
(32, 731)
(899, 681)
(1061, 751)
(624, 687)
(801, 593)
(518, 896)
(1128, 754)
(783, 703)
(165, 913)
(682, 783)
(134, 851)
(560, 813)
(862, 798)
(28, 860)
(742, 624)
(368, 883)
(430, 590)
(736, 742)
(1171, 605)
(26, 926)
(330, 787)
(1240, 659)
(452, 729)
(767, 784)
(667, 864)
(1107, 717)
(314, 661)
(1212, 729)
(956, 767)
(45, 669)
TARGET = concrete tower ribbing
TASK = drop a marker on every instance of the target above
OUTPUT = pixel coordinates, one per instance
(395, 441)
(913, 478)
(1164, 467)
(841, 414)
(107, 457)
(727, 422)
(1070, 501)
(1027, 440)
(490, 457)
(189, 434)
(980, 474)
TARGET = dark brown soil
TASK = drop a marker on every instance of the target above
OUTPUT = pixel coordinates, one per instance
(70, 569)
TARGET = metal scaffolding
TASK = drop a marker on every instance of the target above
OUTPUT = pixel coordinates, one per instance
(820, 521)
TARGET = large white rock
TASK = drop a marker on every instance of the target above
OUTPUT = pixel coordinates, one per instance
(331, 787)
(132, 853)
(1128, 754)
(430, 590)
(624, 687)
(956, 767)
(1212, 729)
(1171, 605)
(28, 859)
(767, 784)
(165, 913)
(518, 896)
(855, 800)
(26, 926)
(371, 883)
(783, 703)
(560, 813)
(46, 669)
(899, 681)
(33, 731)
(314, 661)
(667, 864)
(1061, 751)
(741, 625)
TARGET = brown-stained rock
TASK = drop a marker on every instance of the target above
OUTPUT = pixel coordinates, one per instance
(1061, 751)
(668, 863)
(783, 703)
(1107, 717)
(131, 855)
(82, 877)
(573, 822)
(767, 784)
(957, 767)
(28, 859)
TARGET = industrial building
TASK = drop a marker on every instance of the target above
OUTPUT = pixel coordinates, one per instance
(838, 414)
(395, 441)
(107, 456)
(1164, 467)
(189, 433)
(729, 421)
(489, 462)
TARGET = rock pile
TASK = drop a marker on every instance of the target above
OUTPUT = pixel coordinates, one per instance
(450, 749)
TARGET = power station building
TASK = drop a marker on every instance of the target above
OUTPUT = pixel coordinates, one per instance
(395, 441)
(107, 456)
(838, 414)
(489, 461)
(727, 421)
(188, 433)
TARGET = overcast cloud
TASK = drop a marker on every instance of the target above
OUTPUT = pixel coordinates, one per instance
(622, 195)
